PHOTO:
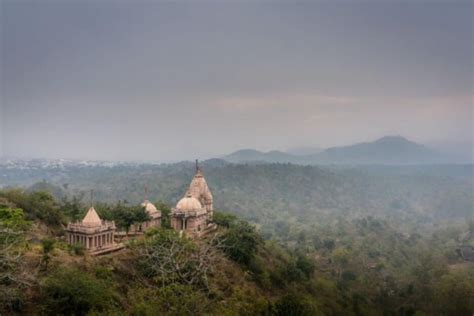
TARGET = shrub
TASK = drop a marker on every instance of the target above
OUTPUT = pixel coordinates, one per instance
(224, 219)
(12, 243)
(295, 304)
(167, 258)
(48, 246)
(241, 243)
(70, 291)
(76, 249)
(36, 205)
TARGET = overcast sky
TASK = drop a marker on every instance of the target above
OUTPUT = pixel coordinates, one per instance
(161, 81)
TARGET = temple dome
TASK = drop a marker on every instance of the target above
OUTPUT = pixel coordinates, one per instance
(91, 218)
(149, 207)
(188, 203)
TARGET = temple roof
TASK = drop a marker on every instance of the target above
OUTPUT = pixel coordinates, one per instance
(198, 187)
(149, 207)
(188, 203)
(92, 218)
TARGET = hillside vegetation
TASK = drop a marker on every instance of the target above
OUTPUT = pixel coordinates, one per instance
(363, 266)
(266, 194)
(292, 240)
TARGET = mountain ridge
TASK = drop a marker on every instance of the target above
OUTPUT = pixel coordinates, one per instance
(390, 150)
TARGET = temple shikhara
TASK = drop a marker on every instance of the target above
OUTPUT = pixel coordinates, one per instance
(193, 213)
(192, 217)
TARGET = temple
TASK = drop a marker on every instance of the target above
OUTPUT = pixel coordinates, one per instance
(193, 213)
(154, 213)
(96, 235)
(155, 219)
(192, 216)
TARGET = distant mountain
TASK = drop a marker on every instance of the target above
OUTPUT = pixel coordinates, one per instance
(388, 150)
(304, 151)
(251, 155)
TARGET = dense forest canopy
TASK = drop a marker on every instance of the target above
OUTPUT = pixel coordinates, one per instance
(419, 195)
(292, 240)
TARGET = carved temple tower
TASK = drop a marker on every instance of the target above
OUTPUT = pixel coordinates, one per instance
(193, 213)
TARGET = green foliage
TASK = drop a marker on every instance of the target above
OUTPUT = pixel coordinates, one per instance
(44, 186)
(69, 291)
(12, 219)
(305, 265)
(73, 208)
(168, 258)
(296, 304)
(104, 273)
(275, 193)
(165, 213)
(76, 249)
(455, 293)
(329, 244)
(225, 219)
(12, 245)
(345, 241)
(125, 216)
(48, 246)
(172, 299)
(36, 206)
(241, 242)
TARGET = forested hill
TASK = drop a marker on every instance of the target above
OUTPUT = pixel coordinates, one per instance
(268, 193)
(365, 241)
(388, 150)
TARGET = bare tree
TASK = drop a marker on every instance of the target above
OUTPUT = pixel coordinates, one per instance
(171, 258)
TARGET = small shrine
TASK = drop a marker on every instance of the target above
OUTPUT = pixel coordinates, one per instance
(96, 235)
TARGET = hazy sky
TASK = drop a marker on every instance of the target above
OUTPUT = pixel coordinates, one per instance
(162, 81)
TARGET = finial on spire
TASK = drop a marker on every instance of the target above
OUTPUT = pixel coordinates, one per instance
(197, 165)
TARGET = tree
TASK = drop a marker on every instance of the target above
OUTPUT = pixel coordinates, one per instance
(296, 304)
(69, 291)
(169, 259)
(455, 293)
(305, 265)
(140, 214)
(165, 213)
(48, 247)
(341, 258)
(37, 205)
(73, 208)
(241, 242)
(224, 219)
(125, 216)
(12, 228)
